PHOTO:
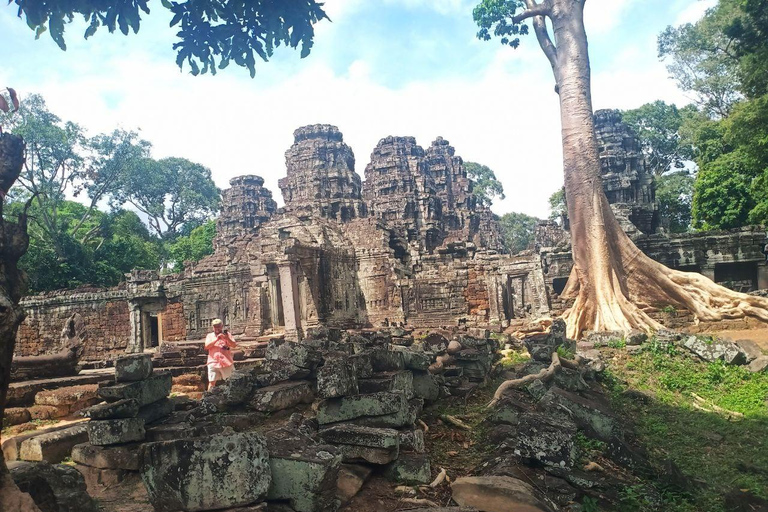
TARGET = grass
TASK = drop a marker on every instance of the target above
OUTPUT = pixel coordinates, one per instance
(724, 455)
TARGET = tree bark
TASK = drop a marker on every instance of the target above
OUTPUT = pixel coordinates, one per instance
(614, 284)
(13, 245)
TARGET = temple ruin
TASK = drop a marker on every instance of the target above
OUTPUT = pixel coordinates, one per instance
(407, 246)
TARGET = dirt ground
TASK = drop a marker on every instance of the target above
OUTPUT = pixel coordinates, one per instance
(759, 336)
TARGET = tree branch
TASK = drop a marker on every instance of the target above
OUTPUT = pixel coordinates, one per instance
(533, 9)
(540, 28)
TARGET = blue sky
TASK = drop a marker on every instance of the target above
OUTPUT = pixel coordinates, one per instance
(381, 67)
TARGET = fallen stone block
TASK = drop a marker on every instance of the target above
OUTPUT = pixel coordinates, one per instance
(156, 410)
(133, 367)
(53, 446)
(409, 469)
(595, 418)
(496, 494)
(127, 408)
(303, 473)
(750, 349)
(282, 396)
(297, 354)
(351, 479)
(336, 378)
(362, 364)
(47, 412)
(404, 417)
(425, 385)
(69, 399)
(53, 487)
(16, 416)
(334, 410)
(240, 386)
(384, 360)
(107, 432)
(99, 479)
(209, 473)
(361, 436)
(354, 453)
(713, 349)
(274, 371)
(544, 438)
(145, 392)
(400, 381)
(127, 457)
(412, 439)
(759, 365)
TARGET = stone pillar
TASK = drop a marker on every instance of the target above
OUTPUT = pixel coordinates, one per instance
(762, 276)
(289, 290)
(708, 271)
(135, 341)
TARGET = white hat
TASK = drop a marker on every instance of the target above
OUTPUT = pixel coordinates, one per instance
(217, 321)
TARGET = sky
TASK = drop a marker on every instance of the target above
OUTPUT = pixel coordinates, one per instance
(378, 68)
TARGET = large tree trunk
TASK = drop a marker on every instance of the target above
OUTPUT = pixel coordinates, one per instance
(613, 282)
(13, 245)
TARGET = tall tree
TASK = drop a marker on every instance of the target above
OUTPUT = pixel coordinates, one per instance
(615, 285)
(194, 246)
(170, 192)
(518, 231)
(212, 33)
(485, 186)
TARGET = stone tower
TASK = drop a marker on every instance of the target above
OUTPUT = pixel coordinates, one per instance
(321, 178)
(245, 206)
(401, 192)
(452, 187)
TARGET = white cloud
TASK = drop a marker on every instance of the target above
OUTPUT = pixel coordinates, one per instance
(693, 12)
(602, 16)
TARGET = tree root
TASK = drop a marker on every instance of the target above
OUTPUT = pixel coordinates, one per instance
(455, 421)
(544, 375)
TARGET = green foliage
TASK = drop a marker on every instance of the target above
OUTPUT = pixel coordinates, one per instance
(565, 352)
(617, 343)
(669, 309)
(722, 196)
(211, 33)
(557, 206)
(518, 231)
(589, 504)
(485, 186)
(495, 18)
(658, 125)
(674, 194)
(194, 246)
(171, 192)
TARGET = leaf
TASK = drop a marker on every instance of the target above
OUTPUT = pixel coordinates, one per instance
(40, 30)
(166, 4)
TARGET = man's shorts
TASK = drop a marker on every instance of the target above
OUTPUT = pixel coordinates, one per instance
(217, 374)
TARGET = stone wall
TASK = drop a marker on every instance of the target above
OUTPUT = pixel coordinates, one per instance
(174, 327)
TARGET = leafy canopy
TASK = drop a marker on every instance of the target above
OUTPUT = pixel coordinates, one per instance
(495, 18)
(212, 33)
(518, 231)
(485, 186)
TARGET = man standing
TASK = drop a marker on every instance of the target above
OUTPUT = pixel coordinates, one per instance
(218, 344)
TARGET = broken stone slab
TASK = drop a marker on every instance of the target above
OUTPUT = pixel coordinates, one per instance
(53, 487)
(416, 360)
(635, 337)
(125, 457)
(206, 473)
(303, 473)
(274, 371)
(713, 349)
(145, 392)
(351, 479)
(361, 436)
(297, 354)
(127, 408)
(544, 438)
(156, 410)
(496, 494)
(400, 381)
(133, 367)
(412, 439)
(99, 479)
(334, 410)
(593, 417)
(362, 363)
(425, 385)
(384, 360)
(336, 378)
(759, 365)
(240, 386)
(409, 469)
(16, 416)
(70, 398)
(107, 432)
(357, 453)
(53, 446)
(751, 349)
(282, 396)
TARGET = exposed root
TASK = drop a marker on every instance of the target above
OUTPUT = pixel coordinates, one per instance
(420, 501)
(544, 375)
(453, 420)
(705, 405)
(423, 425)
(440, 478)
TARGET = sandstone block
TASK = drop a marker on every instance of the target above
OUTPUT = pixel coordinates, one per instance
(133, 367)
(125, 457)
(759, 365)
(351, 480)
(412, 439)
(751, 349)
(496, 494)
(353, 453)
(333, 410)
(16, 416)
(53, 446)
(127, 408)
(361, 436)
(145, 392)
(384, 360)
(400, 381)
(297, 354)
(282, 396)
(425, 385)
(209, 473)
(107, 432)
(336, 378)
(714, 349)
(65, 488)
(156, 410)
(409, 469)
